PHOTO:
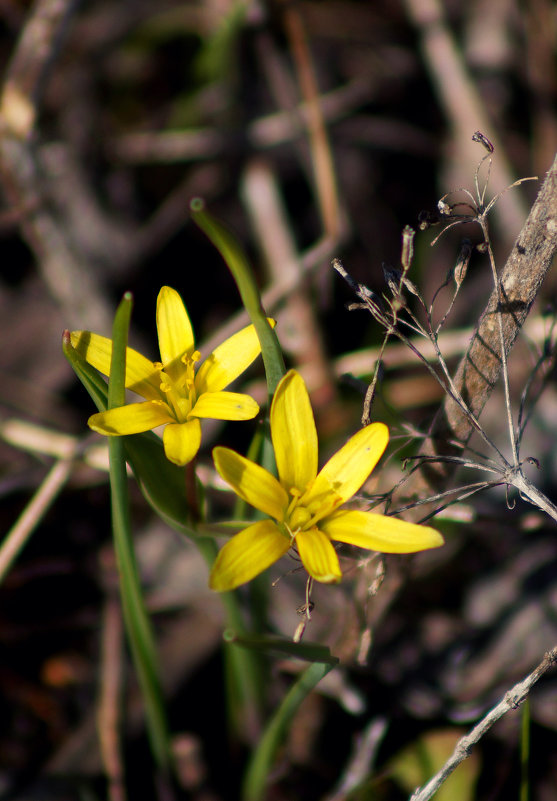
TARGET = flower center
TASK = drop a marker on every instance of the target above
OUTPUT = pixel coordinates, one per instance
(298, 517)
(180, 389)
(307, 508)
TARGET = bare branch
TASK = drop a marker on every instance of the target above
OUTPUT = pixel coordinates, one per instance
(520, 282)
(511, 700)
(25, 179)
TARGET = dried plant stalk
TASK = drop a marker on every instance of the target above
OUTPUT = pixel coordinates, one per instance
(520, 281)
(512, 700)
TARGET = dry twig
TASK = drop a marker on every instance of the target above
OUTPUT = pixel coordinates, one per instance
(511, 700)
(520, 281)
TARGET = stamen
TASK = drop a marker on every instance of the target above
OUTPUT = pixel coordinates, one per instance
(167, 384)
(294, 502)
(300, 518)
(291, 533)
(322, 505)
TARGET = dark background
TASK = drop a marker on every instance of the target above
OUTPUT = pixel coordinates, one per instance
(139, 108)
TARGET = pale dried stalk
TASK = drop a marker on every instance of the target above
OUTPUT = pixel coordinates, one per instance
(109, 711)
(511, 700)
(520, 281)
(461, 103)
(23, 174)
(268, 215)
(320, 149)
(19, 534)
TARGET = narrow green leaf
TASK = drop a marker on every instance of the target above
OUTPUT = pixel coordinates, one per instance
(245, 668)
(162, 484)
(216, 56)
(91, 379)
(525, 751)
(138, 625)
(262, 759)
(238, 265)
(116, 381)
(161, 481)
(308, 651)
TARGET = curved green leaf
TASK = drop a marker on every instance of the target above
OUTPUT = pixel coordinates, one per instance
(262, 760)
(138, 624)
(238, 265)
(308, 651)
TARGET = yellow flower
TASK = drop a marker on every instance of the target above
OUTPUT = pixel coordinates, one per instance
(303, 504)
(177, 393)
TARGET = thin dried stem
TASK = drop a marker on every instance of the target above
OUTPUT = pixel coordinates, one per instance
(390, 318)
(109, 718)
(461, 101)
(504, 364)
(511, 700)
(518, 285)
(370, 302)
(33, 513)
(544, 363)
(321, 154)
(24, 174)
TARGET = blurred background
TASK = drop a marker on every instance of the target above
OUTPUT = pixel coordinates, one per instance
(313, 130)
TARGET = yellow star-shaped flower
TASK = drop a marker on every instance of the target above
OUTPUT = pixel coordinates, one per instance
(302, 505)
(177, 393)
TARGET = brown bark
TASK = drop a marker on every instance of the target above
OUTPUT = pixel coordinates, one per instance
(520, 281)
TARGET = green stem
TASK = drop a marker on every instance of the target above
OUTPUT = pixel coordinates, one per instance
(138, 625)
(238, 265)
(262, 760)
(244, 668)
(525, 751)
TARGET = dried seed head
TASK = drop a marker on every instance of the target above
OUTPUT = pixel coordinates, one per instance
(482, 139)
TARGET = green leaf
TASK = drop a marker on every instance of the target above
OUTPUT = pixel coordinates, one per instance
(91, 379)
(308, 651)
(263, 757)
(138, 624)
(161, 481)
(163, 485)
(239, 266)
(215, 60)
(416, 764)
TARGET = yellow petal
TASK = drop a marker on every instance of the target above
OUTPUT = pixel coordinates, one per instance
(181, 441)
(318, 556)
(131, 419)
(293, 433)
(141, 375)
(225, 406)
(174, 329)
(229, 360)
(348, 468)
(251, 482)
(247, 554)
(380, 533)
